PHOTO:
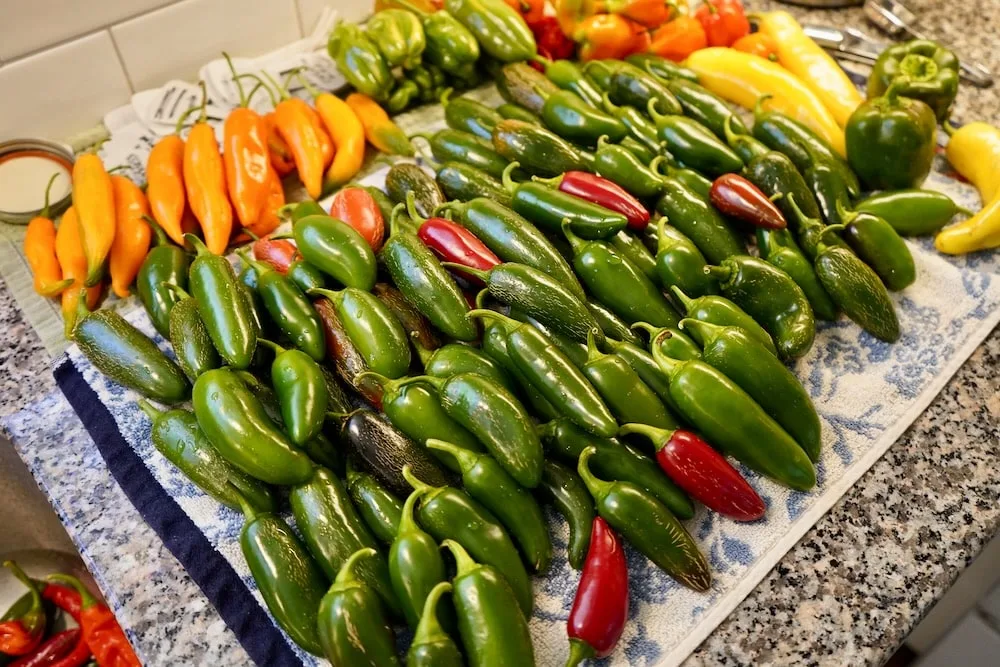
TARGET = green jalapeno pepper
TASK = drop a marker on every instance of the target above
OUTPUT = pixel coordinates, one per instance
(574, 351)
(288, 578)
(878, 244)
(333, 531)
(353, 629)
(705, 107)
(416, 326)
(468, 115)
(539, 151)
(301, 388)
(694, 145)
(636, 87)
(516, 509)
(599, 73)
(431, 645)
(448, 513)
(680, 264)
(830, 191)
(303, 209)
(660, 67)
(567, 75)
(924, 70)
(699, 221)
(450, 145)
(569, 116)
(676, 346)
(737, 137)
(360, 61)
(616, 461)
(495, 345)
(765, 379)
(177, 436)
(493, 630)
(617, 283)
(612, 325)
(500, 30)
(514, 112)
(463, 182)
(165, 264)
(642, 363)
(641, 128)
(689, 178)
(732, 421)
(453, 358)
(415, 562)
(621, 166)
(564, 489)
(399, 36)
(772, 299)
(778, 248)
(378, 508)
(640, 150)
(523, 85)
(719, 310)
(774, 174)
(648, 525)
(407, 177)
(336, 249)
(450, 46)
(494, 416)
(911, 212)
(304, 275)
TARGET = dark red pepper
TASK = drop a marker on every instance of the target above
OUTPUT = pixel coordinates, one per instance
(701, 471)
(51, 650)
(737, 197)
(101, 631)
(276, 253)
(603, 192)
(63, 597)
(22, 633)
(358, 208)
(453, 243)
(600, 608)
(552, 42)
(80, 655)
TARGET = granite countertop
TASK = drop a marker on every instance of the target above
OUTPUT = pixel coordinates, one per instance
(848, 593)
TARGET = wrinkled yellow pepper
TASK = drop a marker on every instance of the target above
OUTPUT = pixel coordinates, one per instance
(974, 151)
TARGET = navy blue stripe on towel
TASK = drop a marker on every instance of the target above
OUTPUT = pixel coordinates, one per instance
(214, 575)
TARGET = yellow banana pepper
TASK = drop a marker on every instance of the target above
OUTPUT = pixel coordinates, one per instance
(804, 58)
(742, 78)
(974, 151)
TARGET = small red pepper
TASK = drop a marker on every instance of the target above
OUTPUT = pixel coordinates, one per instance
(80, 655)
(63, 597)
(603, 192)
(454, 243)
(737, 197)
(51, 650)
(359, 209)
(22, 634)
(702, 472)
(551, 40)
(276, 253)
(724, 21)
(101, 631)
(600, 608)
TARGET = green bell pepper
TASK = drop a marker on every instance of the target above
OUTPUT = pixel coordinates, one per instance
(399, 36)
(930, 70)
(500, 30)
(360, 61)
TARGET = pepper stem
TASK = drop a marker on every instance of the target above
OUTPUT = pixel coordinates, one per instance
(87, 598)
(330, 294)
(602, 141)
(895, 89)
(758, 107)
(236, 79)
(658, 436)
(465, 459)
(609, 106)
(482, 275)
(161, 236)
(15, 569)
(667, 364)
(485, 313)
(547, 430)
(654, 165)
(553, 182)
(183, 119)
(847, 216)
(597, 487)
(244, 254)
(541, 60)
(196, 243)
(437, 383)
(150, 411)
(48, 190)
(346, 574)
(593, 354)
(705, 332)
(267, 89)
(508, 182)
(481, 298)
(464, 564)
(448, 207)
(311, 89)
(416, 483)
(422, 352)
(579, 650)
(720, 273)
(176, 289)
(648, 328)
(685, 300)
(446, 95)
(800, 217)
(575, 242)
(395, 226)
(429, 629)
(407, 524)
(411, 208)
(277, 349)
(731, 137)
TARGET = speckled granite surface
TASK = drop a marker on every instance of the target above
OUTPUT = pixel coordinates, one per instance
(848, 593)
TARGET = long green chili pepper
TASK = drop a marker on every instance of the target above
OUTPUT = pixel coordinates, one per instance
(432, 646)
(564, 489)
(378, 508)
(415, 562)
(680, 264)
(720, 310)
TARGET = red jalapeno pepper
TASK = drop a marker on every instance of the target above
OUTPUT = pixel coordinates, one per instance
(276, 253)
(63, 597)
(358, 208)
(453, 243)
(737, 197)
(53, 649)
(20, 634)
(601, 191)
(600, 607)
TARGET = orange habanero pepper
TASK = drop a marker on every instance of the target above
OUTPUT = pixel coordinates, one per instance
(40, 251)
(245, 156)
(94, 201)
(69, 250)
(650, 13)
(759, 44)
(612, 36)
(325, 141)
(294, 121)
(347, 132)
(131, 236)
(380, 131)
(165, 185)
(205, 182)
(678, 39)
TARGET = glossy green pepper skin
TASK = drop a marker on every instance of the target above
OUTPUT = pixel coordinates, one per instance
(373, 329)
(930, 73)
(565, 491)
(617, 283)
(501, 32)
(642, 363)
(304, 275)
(616, 461)
(569, 116)
(360, 61)
(774, 173)
(676, 346)
(635, 87)
(661, 67)
(575, 352)
(768, 381)
(567, 75)
(679, 263)
(378, 508)
(406, 177)
(648, 525)
(177, 436)
(415, 562)
(547, 207)
(830, 191)
(911, 212)
(778, 248)
(705, 107)
(453, 358)
(634, 249)
(432, 646)
(493, 630)
(467, 115)
(621, 166)
(353, 629)
(612, 325)
(538, 150)
(448, 513)
(891, 141)
(523, 85)
(336, 249)
(399, 36)
(638, 124)
(689, 178)
(732, 421)
(450, 45)
(516, 508)
(450, 145)
(301, 389)
(599, 73)
(513, 112)
(744, 144)
(289, 308)
(495, 345)
(772, 299)
(694, 145)
(235, 422)
(699, 221)
(165, 264)
(720, 310)
(877, 243)
(403, 95)
(643, 152)
(463, 182)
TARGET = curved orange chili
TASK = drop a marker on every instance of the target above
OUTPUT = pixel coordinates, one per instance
(294, 120)
(326, 148)
(277, 147)
(132, 234)
(245, 156)
(69, 251)
(268, 219)
(95, 207)
(205, 182)
(165, 185)
(40, 251)
(347, 132)
(380, 131)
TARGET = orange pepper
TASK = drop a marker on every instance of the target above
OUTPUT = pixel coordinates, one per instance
(94, 201)
(380, 131)
(530, 10)
(69, 251)
(650, 13)
(604, 36)
(325, 141)
(245, 156)
(131, 236)
(205, 182)
(570, 13)
(678, 39)
(40, 251)
(759, 44)
(268, 220)
(347, 132)
(277, 149)
(723, 20)
(294, 121)
(165, 185)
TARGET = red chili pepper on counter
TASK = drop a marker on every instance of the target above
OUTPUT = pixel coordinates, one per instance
(22, 633)
(701, 471)
(737, 197)
(602, 192)
(360, 210)
(63, 597)
(600, 607)
(678, 39)
(551, 40)
(103, 635)
(723, 20)
(276, 253)
(453, 243)
(58, 646)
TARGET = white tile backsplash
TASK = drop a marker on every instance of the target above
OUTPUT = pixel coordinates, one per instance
(63, 90)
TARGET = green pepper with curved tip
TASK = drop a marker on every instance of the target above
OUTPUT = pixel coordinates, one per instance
(301, 388)
(689, 178)
(911, 212)
(500, 31)
(693, 144)
(743, 143)
(612, 325)
(599, 73)
(448, 513)
(698, 220)
(772, 299)
(635, 87)
(495, 345)
(778, 248)
(680, 264)
(676, 346)
(360, 61)
(464, 182)
(564, 489)
(621, 166)
(567, 75)
(450, 145)
(574, 351)
(373, 329)
(378, 508)
(415, 562)
(648, 525)
(617, 283)
(493, 630)
(661, 67)
(336, 249)
(830, 191)
(431, 645)
(514, 112)
(406, 177)
(450, 46)
(774, 174)
(638, 124)
(569, 116)
(705, 107)
(643, 152)
(399, 36)
(539, 150)
(468, 115)
(515, 507)
(228, 320)
(642, 363)
(177, 436)
(732, 421)
(165, 264)
(454, 358)
(719, 310)
(523, 85)
(289, 580)
(352, 626)
(878, 244)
